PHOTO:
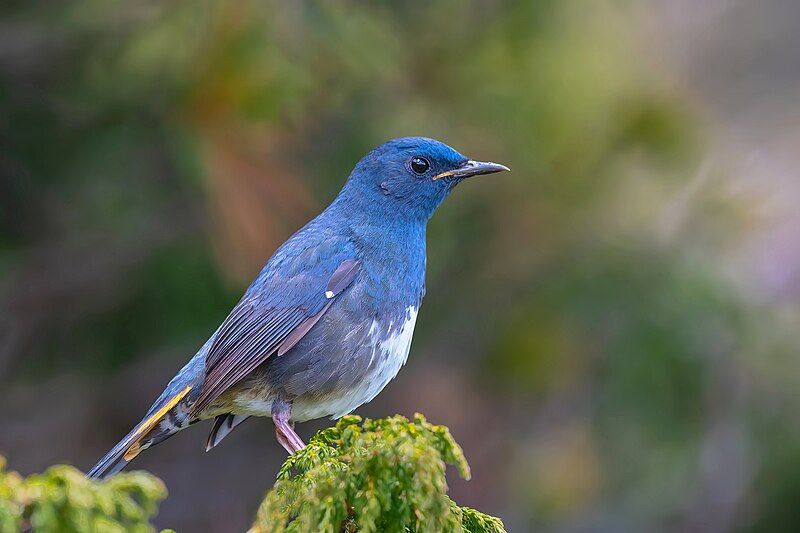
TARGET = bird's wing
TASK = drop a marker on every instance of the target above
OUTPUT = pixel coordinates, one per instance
(281, 306)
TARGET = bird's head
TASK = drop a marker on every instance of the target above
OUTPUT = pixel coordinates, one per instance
(410, 177)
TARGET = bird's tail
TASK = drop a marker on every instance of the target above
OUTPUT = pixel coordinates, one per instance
(154, 428)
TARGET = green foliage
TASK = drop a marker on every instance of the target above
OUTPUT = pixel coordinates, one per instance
(375, 475)
(62, 499)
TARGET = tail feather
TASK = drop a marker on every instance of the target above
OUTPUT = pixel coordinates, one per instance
(130, 446)
(223, 425)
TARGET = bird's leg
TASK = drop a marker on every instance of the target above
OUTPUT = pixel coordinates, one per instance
(294, 440)
(282, 440)
(284, 431)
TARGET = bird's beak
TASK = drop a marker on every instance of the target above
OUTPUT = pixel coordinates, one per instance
(472, 168)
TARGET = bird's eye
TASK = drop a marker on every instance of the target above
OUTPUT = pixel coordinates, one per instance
(420, 165)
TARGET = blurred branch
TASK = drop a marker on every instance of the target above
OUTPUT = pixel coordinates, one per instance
(63, 499)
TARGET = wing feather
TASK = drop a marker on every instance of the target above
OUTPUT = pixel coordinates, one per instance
(300, 331)
(257, 327)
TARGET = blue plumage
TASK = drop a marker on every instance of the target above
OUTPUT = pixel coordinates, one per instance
(329, 320)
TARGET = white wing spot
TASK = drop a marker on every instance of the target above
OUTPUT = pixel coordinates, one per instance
(328, 294)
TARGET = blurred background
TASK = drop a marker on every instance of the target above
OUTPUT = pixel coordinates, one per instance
(611, 330)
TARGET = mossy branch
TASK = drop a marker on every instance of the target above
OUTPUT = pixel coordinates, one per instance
(360, 475)
(62, 499)
(372, 475)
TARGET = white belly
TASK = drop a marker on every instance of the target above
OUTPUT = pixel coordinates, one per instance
(388, 355)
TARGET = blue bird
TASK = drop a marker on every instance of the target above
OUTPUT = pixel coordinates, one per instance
(328, 321)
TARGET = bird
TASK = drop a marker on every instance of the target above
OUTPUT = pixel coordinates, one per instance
(328, 321)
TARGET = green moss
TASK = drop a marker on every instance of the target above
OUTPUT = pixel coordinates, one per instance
(372, 475)
(62, 499)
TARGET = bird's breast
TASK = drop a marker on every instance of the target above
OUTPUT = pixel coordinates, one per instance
(392, 343)
(374, 365)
